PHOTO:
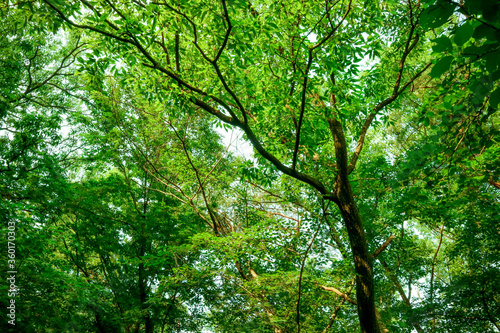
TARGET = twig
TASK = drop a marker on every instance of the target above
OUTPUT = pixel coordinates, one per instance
(304, 261)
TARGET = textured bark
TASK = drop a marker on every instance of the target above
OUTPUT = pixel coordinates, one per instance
(363, 260)
(494, 183)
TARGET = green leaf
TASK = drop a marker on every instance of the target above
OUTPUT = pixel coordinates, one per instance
(495, 98)
(491, 61)
(443, 44)
(441, 66)
(436, 15)
(463, 34)
(484, 31)
(491, 12)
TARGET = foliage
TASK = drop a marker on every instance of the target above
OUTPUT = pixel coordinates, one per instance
(369, 203)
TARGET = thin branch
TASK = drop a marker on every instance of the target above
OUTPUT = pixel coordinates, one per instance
(395, 93)
(341, 294)
(304, 84)
(383, 246)
(87, 27)
(177, 52)
(288, 171)
(302, 109)
(193, 25)
(400, 291)
(304, 261)
(232, 119)
(89, 5)
(62, 66)
(376, 110)
(30, 77)
(321, 42)
(195, 169)
(228, 31)
(215, 166)
(432, 272)
(337, 309)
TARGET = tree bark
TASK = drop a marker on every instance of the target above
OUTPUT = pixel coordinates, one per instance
(363, 260)
(142, 281)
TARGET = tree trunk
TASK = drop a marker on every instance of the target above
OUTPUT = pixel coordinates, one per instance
(143, 293)
(363, 261)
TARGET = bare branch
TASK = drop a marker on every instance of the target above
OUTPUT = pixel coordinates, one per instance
(197, 174)
(383, 246)
(341, 294)
(337, 309)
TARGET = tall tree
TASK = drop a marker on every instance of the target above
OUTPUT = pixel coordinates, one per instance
(216, 39)
(308, 83)
(36, 92)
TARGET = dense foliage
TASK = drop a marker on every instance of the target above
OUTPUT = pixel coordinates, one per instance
(368, 200)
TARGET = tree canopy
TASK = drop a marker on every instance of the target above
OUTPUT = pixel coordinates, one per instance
(368, 200)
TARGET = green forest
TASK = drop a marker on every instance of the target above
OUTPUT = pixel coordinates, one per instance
(268, 166)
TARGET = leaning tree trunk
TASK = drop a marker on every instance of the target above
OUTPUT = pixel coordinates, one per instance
(363, 260)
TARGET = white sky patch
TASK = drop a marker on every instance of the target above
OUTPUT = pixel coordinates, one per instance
(312, 37)
(124, 238)
(237, 145)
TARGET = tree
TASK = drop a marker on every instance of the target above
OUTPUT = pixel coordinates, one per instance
(312, 85)
(36, 90)
(145, 227)
(36, 87)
